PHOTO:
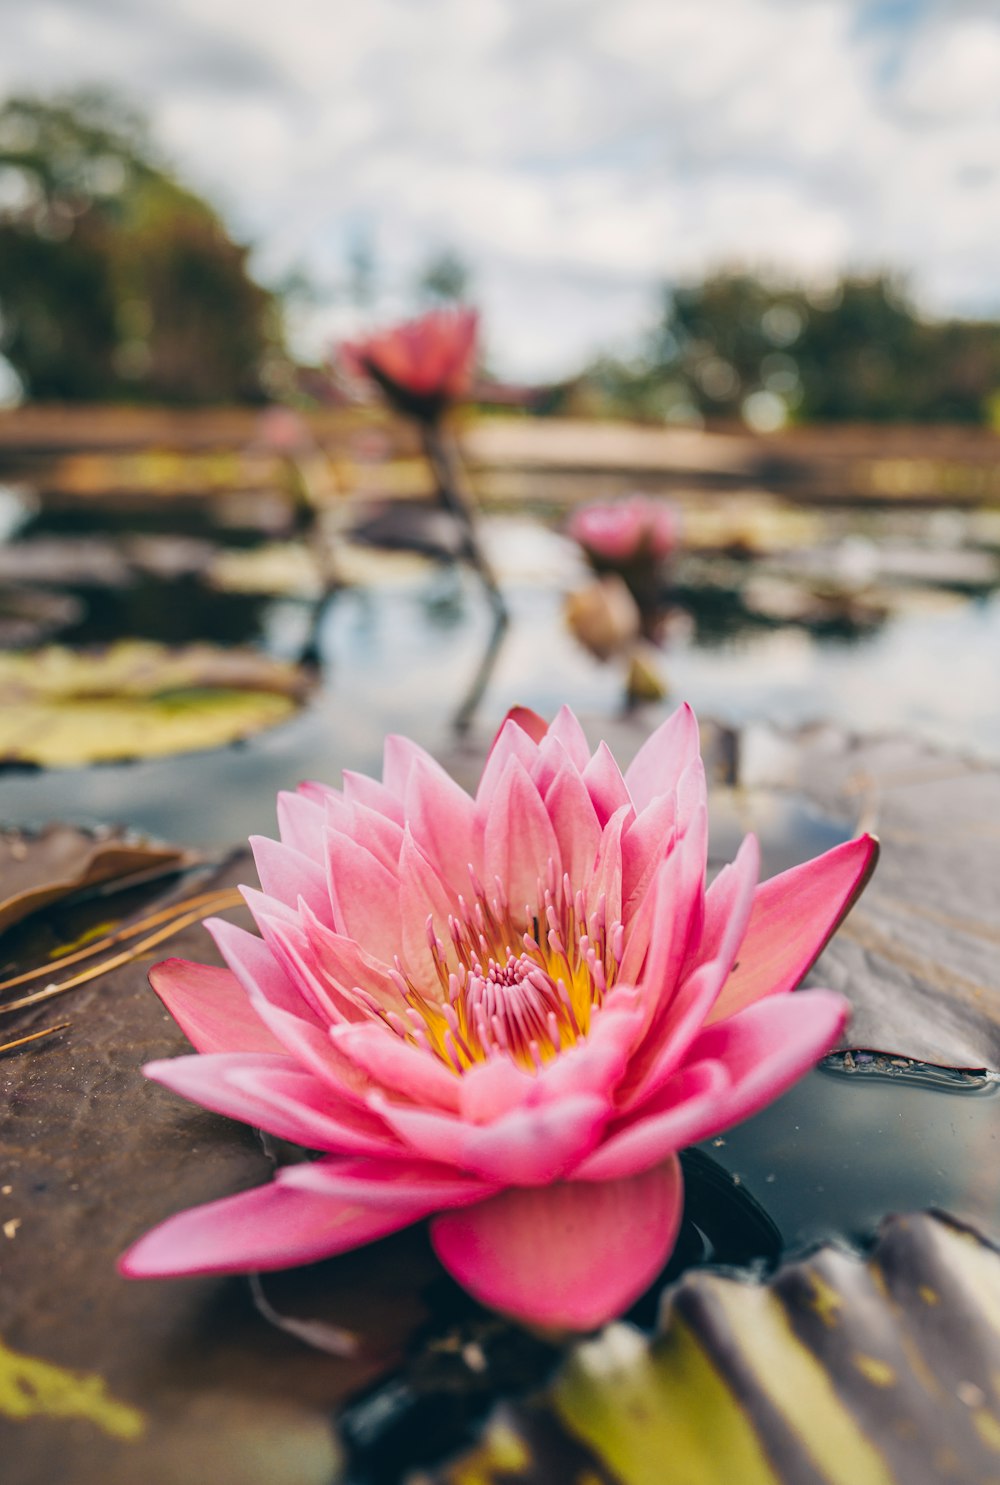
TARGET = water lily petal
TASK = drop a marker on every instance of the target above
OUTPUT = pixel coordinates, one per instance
(518, 838)
(287, 875)
(678, 1119)
(767, 1047)
(575, 823)
(399, 1066)
(441, 817)
(236, 1085)
(270, 1227)
(663, 757)
(793, 916)
(566, 730)
(527, 1146)
(364, 893)
(605, 784)
(387, 1182)
(211, 1007)
(567, 1256)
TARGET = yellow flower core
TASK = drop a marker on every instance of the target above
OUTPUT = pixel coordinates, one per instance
(520, 985)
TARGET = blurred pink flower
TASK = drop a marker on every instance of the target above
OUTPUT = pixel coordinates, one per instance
(511, 1011)
(422, 365)
(617, 532)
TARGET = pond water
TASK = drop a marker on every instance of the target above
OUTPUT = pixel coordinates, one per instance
(399, 651)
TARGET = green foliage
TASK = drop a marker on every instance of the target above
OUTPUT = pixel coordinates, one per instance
(735, 346)
(115, 281)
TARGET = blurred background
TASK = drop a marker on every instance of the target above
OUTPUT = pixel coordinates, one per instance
(740, 257)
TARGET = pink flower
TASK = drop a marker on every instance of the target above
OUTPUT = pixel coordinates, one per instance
(422, 365)
(616, 532)
(507, 1012)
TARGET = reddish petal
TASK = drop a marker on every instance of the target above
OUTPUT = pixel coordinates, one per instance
(569, 1256)
(793, 917)
(663, 757)
(275, 1226)
(211, 1007)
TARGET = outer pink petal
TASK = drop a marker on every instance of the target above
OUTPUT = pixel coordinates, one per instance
(528, 1146)
(238, 1085)
(512, 741)
(644, 845)
(793, 917)
(663, 757)
(767, 1048)
(211, 1007)
(256, 968)
(360, 789)
(286, 875)
(387, 1183)
(678, 1119)
(275, 1226)
(568, 1256)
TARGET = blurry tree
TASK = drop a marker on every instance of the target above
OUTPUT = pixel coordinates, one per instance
(738, 346)
(444, 279)
(115, 280)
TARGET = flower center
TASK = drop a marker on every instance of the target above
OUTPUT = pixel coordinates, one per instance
(516, 984)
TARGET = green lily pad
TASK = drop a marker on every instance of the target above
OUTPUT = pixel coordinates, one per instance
(840, 1370)
(60, 708)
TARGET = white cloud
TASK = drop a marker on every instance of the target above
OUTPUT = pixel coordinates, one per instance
(575, 151)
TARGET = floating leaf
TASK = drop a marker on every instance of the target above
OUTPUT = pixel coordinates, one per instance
(918, 957)
(63, 708)
(39, 868)
(840, 1370)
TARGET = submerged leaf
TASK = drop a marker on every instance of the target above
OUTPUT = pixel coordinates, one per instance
(841, 1370)
(60, 708)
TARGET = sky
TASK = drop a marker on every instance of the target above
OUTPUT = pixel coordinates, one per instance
(577, 154)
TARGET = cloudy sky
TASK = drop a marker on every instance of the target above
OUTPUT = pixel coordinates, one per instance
(575, 152)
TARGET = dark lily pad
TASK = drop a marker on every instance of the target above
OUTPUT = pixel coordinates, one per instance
(841, 1370)
(39, 868)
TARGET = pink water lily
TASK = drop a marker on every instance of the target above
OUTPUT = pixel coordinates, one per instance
(422, 365)
(614, 532)
(506, 1012)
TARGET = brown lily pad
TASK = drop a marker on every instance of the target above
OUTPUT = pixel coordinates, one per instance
(39, 868)
(918, 955)
(175, 1380)
(841, 1370)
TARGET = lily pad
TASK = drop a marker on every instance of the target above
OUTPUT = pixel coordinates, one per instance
(62, 708)
(37, 869)
(918, 956)
(843, 1370)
